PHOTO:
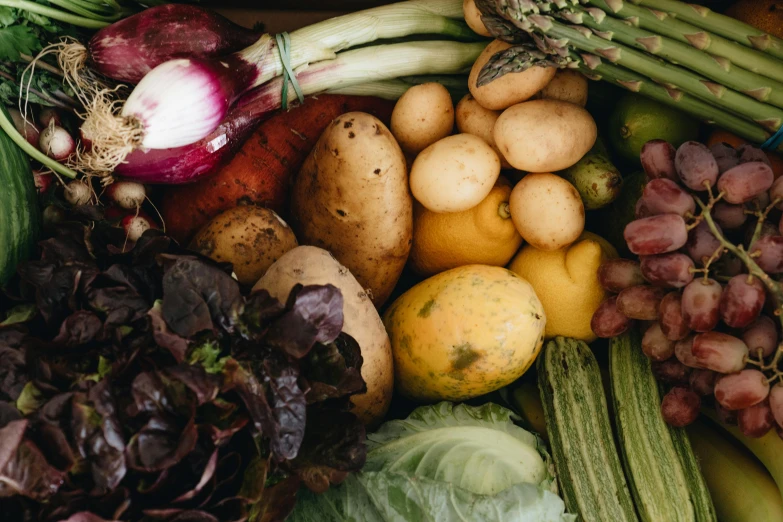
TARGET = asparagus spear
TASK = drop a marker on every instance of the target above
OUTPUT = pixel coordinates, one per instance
(723, 25)
(666, 25)
(563, 38)
(722, 71)
(628, 79)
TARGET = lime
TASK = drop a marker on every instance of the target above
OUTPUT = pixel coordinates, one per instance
(635, 120)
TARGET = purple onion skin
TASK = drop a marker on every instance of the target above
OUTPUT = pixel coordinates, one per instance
(192, 162)
(127, 50)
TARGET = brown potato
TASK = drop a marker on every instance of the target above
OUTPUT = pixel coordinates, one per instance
(544, 135)
(423, 115)
(309, 265)
(250, 238)
(473, 17)
(474, 119)
(454, 174)
(567, 85)
(510, 88)
(547, 211)
(351, 198)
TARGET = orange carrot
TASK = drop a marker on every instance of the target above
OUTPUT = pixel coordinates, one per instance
(260, 172)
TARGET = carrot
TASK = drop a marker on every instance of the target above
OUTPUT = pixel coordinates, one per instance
(259, 174)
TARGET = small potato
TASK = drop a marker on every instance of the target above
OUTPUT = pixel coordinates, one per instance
(422, 116)
(473, 17)
(544, 135)
(249, 237)
(567, 85)
(510, 88)
(547, 211)
(454, 174)
(474, 119)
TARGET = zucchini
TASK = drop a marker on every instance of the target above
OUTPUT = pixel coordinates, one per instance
(580, 434)
(662, 470)
(19, 216)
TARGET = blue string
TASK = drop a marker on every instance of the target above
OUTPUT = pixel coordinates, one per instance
(774, 141)
(284, 48)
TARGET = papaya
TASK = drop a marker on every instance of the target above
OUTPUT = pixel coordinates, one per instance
(464, 332)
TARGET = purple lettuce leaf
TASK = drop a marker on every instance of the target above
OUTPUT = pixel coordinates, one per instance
(197, 296)
(314, 314)
(332, 447)
(78, 329)
(333, 370)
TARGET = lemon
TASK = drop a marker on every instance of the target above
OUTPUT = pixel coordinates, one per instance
(483, 235)
(636, 120)
(566, 283)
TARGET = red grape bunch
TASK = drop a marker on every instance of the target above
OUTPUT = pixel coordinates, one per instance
(706, 289)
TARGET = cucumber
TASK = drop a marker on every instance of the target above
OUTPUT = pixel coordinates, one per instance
(19, 215)
(661, 468)
(580, 434)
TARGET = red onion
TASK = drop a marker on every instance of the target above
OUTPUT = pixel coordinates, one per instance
(191, 162)
(127, 50)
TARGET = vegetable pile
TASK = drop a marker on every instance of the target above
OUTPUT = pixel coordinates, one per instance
(145, 386)
(377, 303)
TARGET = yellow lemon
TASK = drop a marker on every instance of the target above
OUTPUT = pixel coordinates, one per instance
(566, 282)
(463, 333)
(484, 234)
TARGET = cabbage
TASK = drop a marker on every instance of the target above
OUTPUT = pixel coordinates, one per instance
(445, 463)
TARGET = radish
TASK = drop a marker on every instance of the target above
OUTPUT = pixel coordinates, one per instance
(28, 128)
(77, 193)
(136, 224)
(56, 143)
(127, 194)
(49, 115)
(52, 215)
(43, 180)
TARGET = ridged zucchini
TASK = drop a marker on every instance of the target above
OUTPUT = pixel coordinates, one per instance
(580, 434)
(662, 470)
(19, 216)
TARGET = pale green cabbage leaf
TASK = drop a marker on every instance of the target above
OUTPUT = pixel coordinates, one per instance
(445, 463)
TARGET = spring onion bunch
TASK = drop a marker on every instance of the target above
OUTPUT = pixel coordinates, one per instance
(707, 64)
(182, 101)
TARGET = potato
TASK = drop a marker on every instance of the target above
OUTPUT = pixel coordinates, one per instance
(567, 85)
(544, 135)
(474, 119)
(422, 116)
(510, 88)
(249, 237)
(454, 174)
(547, 211)
(309, 265)
(473, 17)
(351, 197)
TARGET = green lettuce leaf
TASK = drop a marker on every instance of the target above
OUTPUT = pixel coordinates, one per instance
(396, 497)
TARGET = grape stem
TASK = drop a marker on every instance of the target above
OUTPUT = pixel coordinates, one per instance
(775, 288)
(761, 215)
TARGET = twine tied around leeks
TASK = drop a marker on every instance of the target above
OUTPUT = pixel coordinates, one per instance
(284, 48)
